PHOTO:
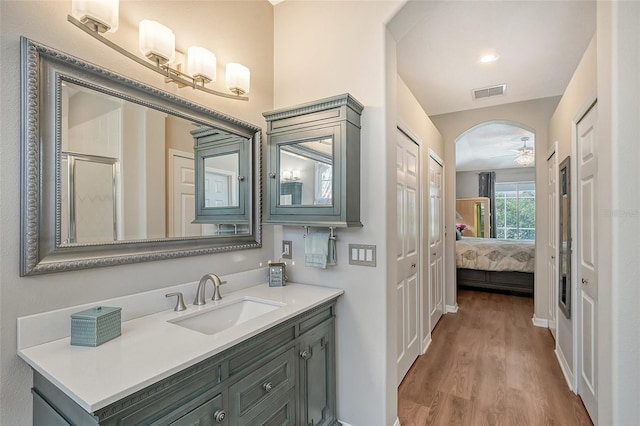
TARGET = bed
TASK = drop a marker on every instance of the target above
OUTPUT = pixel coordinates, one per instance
(489, 263)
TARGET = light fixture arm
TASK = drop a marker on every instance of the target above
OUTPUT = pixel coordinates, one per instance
(170, 74)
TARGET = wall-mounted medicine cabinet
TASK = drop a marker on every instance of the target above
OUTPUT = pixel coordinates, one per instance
(223, 173)
(314, 163)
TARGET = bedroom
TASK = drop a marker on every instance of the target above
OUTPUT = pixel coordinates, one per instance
(495, 208)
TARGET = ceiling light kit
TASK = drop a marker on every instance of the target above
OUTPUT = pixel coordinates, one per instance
(157, 43)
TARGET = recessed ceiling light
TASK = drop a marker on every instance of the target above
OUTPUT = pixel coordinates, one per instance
(489, 58)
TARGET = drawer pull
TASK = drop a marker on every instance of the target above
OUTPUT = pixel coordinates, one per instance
(219, 416)
(305, 355)
(267, 386)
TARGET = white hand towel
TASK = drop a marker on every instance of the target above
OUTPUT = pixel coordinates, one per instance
(316, 249)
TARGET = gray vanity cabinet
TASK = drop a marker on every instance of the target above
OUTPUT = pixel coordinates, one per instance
(314, 163)
(283, 376)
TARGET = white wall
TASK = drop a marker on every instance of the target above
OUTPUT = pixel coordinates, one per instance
(239, 31)
(618, 212)
(324, 48)
(533, 114)
(467, 183)
(579, 94)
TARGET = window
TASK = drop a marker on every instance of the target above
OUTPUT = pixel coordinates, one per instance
(516, 210)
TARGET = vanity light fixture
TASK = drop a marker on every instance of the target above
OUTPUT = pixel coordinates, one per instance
(157, 43)
(201, 64)
(237, 78)
(102, 15)
(290, 175)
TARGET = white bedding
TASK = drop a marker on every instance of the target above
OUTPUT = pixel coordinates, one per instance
(491, 254)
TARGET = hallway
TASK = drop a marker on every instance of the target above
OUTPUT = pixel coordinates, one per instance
(488, 365)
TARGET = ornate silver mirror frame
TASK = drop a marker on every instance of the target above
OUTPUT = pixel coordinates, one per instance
(43, 70)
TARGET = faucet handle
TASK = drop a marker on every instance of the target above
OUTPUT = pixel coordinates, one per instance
(179, 302)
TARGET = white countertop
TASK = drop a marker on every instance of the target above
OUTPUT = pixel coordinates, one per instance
(151, 349)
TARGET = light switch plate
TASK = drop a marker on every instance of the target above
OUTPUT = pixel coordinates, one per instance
(362, 254)
(287, 247)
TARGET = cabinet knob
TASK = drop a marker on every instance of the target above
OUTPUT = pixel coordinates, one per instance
(272, 175)
(241, 178)
(267, 386)
(305, 355)
(219, 416)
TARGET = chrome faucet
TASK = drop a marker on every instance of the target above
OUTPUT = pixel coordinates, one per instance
(200, 296)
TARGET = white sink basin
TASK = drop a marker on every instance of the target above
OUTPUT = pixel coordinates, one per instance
(227, 315)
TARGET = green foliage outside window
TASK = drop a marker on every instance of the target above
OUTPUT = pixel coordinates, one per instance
(516, 210)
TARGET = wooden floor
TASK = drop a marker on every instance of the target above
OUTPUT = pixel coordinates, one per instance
(488, 365)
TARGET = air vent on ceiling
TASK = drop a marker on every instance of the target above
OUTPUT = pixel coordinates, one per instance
(488, 92)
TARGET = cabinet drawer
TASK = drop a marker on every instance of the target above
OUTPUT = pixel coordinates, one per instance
(264, 384)
(279, 412)
(211, 412)
(246, 355)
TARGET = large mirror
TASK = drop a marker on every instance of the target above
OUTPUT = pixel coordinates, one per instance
(564, 228)
(109, 172)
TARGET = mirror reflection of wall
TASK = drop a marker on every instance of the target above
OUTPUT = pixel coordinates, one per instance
(306, 176)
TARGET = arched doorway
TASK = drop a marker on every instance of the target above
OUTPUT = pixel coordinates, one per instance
(495, 183)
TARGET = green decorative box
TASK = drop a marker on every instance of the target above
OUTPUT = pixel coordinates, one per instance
(95, 326)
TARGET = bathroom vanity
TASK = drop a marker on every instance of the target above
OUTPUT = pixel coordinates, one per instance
(275, 369)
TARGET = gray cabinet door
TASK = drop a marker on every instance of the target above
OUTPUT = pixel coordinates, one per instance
(317, 376)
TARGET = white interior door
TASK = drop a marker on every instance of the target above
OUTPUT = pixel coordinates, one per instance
(436, 241)
(408, 255)
(182, 209)
(587, 285)
(552, 243)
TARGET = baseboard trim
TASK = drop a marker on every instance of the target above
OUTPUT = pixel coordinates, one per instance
(396, 423)
(539, 322)
(426, 343)
(564, 366)
(451, 309)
